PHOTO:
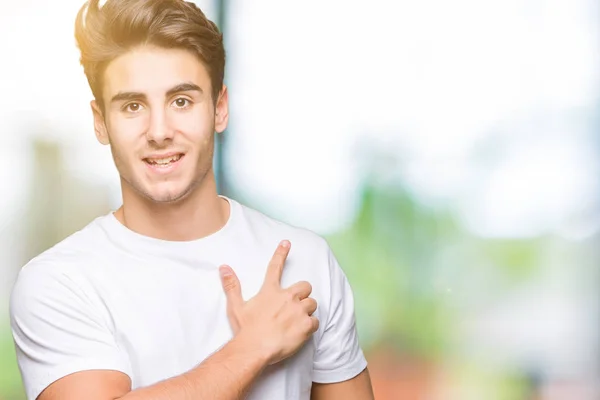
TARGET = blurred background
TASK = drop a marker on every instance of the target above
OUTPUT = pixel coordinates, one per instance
(448, 151)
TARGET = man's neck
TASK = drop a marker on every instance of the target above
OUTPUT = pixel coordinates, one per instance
(200, 214)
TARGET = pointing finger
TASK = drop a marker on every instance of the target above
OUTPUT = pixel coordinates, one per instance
(275, 268)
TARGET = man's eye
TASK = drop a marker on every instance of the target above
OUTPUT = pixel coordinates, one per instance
(181, 102)
(133, 107)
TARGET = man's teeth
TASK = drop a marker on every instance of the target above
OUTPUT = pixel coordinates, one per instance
(164, 161)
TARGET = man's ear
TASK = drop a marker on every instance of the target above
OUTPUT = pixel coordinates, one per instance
(222, 110)
(99, 124)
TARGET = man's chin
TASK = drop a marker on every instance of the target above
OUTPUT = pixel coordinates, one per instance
(156, 193)
(169, 196)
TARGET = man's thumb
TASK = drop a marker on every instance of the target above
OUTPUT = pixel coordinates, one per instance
(231, 286)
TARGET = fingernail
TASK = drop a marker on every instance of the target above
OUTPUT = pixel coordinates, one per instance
(224, 272)
(285, 244)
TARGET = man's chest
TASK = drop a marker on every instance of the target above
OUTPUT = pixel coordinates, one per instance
(170, 320)
(164, 343)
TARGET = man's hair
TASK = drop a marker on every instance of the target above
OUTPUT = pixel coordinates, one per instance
(103, 33)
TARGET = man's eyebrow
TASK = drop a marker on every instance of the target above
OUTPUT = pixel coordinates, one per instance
(182, 87)
(125, 96)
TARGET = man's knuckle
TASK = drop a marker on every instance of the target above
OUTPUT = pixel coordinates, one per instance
(275, 263)
(229, 283)
(289, 296)
(316, 324)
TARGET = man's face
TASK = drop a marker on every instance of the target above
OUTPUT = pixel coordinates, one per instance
(160, 120)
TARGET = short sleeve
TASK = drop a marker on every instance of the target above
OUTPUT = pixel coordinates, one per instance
(338, 356)
(56, 329)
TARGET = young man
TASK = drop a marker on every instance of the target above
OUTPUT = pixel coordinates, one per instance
(143, 303)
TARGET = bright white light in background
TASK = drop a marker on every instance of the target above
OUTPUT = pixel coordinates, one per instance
(310, 79)
(535, 191)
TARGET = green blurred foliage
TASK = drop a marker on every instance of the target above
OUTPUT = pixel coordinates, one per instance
(398, 255)
(388, 255)
(10, 378)
(516, 258)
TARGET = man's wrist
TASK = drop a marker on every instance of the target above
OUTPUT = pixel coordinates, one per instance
(237, 364)
(246, 345)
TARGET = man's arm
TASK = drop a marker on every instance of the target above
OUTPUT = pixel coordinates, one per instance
(227, 374)
(339, 368)
(357, 388)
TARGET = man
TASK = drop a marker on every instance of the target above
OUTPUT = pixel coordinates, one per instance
(143, 303)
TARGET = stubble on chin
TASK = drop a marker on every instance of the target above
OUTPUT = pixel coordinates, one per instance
(128, 178)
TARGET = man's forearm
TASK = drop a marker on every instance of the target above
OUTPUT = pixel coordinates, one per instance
(226, 375)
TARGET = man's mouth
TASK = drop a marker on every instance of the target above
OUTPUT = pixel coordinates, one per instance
(163, 162)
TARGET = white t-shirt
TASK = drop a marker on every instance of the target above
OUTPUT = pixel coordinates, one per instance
(109, 298)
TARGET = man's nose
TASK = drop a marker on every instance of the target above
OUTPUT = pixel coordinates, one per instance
(159, 130)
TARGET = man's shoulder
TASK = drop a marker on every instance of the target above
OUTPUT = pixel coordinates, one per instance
(263, 225)
(77, 248)
(55, 273)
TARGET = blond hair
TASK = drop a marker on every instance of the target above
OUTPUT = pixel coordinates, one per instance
(103, 33)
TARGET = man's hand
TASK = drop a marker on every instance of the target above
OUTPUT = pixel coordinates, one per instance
(277, 321)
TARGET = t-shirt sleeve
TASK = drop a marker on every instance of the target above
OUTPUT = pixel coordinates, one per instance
(57, 329)
(338, 356)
